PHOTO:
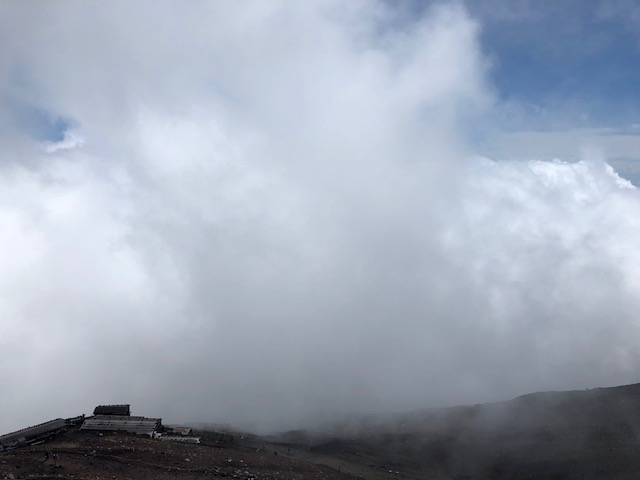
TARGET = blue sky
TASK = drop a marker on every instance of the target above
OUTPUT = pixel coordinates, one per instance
(566, 76)
(577, 61)
(39, 124)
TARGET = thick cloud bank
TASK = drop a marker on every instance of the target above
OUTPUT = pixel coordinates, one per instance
(268, 212)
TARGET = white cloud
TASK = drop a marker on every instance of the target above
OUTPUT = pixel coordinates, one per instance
(272, 212)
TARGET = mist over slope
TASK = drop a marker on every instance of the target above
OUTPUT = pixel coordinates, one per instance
(561, 434)
(577, 434)
(269, 213)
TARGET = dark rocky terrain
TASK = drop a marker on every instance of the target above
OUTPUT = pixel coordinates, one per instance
(110, 456)
(593, 434)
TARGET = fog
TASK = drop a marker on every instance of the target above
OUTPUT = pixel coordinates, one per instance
(271, 213)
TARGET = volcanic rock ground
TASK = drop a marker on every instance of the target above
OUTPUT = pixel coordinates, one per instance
(110, 456)
(593, 434)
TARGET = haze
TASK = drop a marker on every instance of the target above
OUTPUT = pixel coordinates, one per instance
(273, 213)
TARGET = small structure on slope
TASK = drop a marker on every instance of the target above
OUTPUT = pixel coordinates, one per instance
(178, 430)
(114, 423)
(33, 434)
(113, 410)
(180, 439)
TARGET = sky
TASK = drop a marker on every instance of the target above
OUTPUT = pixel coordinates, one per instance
(271, 214)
